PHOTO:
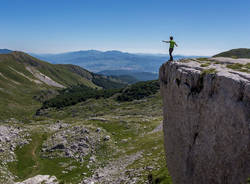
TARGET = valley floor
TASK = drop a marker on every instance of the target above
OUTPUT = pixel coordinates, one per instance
(97, 141)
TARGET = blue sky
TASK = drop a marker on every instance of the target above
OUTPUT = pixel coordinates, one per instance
(53, 26)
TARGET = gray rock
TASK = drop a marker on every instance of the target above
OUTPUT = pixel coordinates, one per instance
(70, 168)
(206, 123)
(83, 145)
(149, 168)
(98, 119)
(124, 140)
(98, 130)
(7, 139)
(69, 154)
(86, 181)
(39, 179)
(84, 130)
(74, 146)
(59, 146)
(92, 159)
(106, 138)
(86, 138)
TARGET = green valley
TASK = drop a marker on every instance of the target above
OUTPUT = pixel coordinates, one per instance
(66, 123)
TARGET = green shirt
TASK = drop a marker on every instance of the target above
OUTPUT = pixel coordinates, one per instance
(172, 43)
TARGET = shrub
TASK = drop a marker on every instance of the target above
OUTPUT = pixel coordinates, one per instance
(139, 90)
(76, 94)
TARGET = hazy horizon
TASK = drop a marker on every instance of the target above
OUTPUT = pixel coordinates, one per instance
(71, 51)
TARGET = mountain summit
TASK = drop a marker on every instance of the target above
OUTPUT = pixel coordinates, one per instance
(235, 53)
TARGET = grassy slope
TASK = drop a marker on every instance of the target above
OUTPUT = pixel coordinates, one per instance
(58, 73)
(16, 91)
(105, 82)
(240, 67)
(235, 53)
(30, 163)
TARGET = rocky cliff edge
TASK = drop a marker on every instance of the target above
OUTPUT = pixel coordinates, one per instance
(207, 120)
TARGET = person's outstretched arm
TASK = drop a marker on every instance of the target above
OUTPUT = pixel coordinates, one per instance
(176, 44)
(165, 41)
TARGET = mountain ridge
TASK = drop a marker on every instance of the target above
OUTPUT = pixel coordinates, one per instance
(235, 53)
(97, 61)
(138, 75)
(5, 51)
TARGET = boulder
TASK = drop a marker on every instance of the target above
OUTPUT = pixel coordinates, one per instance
(106, 138)
(59, 146)
(40, 179)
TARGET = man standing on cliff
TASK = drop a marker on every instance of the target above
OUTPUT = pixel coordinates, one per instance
(171, 47)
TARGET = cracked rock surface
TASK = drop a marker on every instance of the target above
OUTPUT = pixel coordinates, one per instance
(206, 122)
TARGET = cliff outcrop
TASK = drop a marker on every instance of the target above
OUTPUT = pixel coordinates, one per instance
(207, 120)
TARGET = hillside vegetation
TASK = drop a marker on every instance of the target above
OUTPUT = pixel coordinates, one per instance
(106, 82)
(235, 53)
(139, 91)
(23, 79)
(76, 94)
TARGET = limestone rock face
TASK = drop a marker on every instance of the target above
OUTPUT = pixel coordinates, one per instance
(40, 179)
(206, 122)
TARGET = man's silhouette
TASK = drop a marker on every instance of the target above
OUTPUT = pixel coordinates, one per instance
(171, 47)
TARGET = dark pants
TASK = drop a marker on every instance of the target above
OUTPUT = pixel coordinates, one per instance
(170, 54)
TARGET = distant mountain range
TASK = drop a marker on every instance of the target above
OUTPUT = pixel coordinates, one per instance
(97, 61)
(116, 63)
(5, 51)
(139, 76)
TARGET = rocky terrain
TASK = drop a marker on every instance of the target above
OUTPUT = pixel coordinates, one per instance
(11, 137)
(116, 137)
(206, 120)
(97, 141)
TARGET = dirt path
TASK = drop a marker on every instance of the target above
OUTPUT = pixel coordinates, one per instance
(36, 142)
(157, 129)
(33, 153)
